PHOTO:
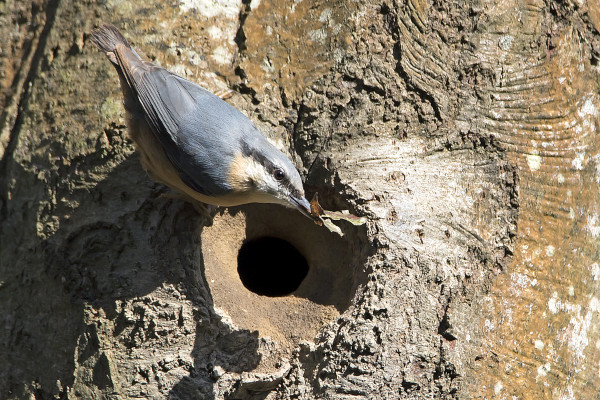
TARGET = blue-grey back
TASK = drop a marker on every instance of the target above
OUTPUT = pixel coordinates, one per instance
(200, 132)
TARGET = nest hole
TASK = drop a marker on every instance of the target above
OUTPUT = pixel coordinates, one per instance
(270, 266)
(271, 270)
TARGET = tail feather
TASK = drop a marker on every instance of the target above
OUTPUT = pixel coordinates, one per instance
(107, 37)
(113, 44)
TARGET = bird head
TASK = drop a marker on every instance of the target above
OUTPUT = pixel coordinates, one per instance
(268, 176)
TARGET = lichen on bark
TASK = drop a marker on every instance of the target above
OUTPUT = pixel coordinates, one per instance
(464, 132)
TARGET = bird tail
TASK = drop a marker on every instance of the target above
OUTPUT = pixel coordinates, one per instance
(107, 38)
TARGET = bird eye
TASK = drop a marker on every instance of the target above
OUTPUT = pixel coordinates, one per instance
(278, 174)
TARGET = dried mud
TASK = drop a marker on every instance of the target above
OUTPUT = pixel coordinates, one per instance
(418, 115)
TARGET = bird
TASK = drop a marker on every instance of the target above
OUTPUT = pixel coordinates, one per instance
(192, 140)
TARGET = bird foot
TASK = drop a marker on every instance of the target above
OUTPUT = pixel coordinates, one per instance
(205, 210)
(224, 93)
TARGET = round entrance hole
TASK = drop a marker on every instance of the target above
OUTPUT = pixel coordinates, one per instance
(270, 266)
(271, 270)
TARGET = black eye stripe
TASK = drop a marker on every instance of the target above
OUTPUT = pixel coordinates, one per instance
(264, 161)
(250, 152)
(278, 174)
(270, 167)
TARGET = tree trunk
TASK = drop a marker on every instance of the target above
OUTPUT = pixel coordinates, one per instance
(464, 132)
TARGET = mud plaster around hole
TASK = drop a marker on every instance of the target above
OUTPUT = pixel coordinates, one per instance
(336, 269)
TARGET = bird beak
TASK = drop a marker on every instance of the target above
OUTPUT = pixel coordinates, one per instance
(302, 205)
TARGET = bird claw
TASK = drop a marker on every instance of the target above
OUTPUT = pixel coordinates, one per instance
(206, 210)
(224, 93)
(203, 209)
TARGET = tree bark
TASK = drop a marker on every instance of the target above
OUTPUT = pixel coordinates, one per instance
(465, 132)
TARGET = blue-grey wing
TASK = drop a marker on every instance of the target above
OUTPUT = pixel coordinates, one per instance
(199, 132)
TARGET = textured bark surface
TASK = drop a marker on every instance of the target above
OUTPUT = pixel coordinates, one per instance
(466, 133)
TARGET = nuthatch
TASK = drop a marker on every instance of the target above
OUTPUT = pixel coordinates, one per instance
(193, 141)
